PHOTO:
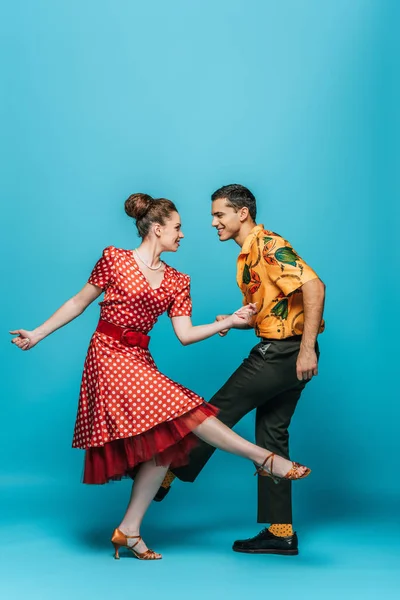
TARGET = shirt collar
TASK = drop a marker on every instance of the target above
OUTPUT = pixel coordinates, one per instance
(250, 239)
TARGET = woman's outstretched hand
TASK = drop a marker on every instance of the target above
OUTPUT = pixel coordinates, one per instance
(25, 340)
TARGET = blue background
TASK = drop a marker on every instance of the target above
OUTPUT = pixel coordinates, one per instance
(298, 101)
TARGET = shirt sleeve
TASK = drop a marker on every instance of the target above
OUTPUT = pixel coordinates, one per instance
(181, 305)
(103, 272)
(285, 267)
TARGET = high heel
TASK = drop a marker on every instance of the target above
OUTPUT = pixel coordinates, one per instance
(292, 474)
(120, 540)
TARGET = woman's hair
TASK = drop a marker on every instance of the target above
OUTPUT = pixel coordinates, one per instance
(147, 210)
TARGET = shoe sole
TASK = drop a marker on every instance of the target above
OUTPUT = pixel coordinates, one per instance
(268, 551)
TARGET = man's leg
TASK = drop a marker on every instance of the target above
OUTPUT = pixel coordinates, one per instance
(272, 423)
(265, 373)
(233, 403)
(274, 501)
(237, 397)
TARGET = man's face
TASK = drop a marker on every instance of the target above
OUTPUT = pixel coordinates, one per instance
(225, 219)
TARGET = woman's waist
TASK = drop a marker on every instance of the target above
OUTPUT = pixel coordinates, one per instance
(128, 336)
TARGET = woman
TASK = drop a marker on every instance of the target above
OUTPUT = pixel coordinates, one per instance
(132, 419)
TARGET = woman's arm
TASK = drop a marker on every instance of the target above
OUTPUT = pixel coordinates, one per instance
(189, 334)
(74, 307)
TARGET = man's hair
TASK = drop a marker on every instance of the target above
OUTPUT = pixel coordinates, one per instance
(237, 197)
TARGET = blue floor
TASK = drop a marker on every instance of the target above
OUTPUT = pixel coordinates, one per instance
(55, 544)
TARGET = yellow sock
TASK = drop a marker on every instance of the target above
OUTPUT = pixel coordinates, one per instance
(168, 479)
(281, 529)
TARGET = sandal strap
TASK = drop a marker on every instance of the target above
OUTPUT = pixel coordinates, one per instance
(135, 536)
(271, 468)
(146, 555)
(261, 468)
(292, 473)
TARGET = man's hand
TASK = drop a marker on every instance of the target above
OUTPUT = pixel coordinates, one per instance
(307, 364)
(243, 316)
(240, 319)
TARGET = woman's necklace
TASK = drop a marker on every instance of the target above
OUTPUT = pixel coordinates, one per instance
(145, 264)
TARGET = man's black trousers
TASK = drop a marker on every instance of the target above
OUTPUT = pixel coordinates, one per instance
(265, 381)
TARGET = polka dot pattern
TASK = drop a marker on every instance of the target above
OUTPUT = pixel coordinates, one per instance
(123, 394)
(281, 529)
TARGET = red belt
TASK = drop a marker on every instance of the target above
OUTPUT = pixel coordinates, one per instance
(126, 335)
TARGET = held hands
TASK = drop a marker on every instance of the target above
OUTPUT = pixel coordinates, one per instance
(240, 319)
(25, 340)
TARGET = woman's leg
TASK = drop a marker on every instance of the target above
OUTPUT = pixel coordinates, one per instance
(144, 488)
(220, 436)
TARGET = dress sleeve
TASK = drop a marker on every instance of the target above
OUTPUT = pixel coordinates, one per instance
(285, 267)
(103, 272)
(181, 305)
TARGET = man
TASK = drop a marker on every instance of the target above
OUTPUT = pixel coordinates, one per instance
(290, 300)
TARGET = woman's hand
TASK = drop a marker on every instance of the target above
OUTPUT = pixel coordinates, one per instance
(25, 339)
(222, 318)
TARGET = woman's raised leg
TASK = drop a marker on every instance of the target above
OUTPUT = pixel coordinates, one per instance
(220, 436)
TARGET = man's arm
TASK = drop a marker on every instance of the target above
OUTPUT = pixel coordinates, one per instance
(313, 301)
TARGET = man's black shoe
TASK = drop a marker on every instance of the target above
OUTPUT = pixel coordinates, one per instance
(162, 492)
(268, 543)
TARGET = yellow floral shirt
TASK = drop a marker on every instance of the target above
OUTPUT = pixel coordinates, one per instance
(271, 273)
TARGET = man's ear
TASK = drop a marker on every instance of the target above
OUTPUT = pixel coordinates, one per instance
(243, 213)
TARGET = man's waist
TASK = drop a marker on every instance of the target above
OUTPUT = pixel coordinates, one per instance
(290, 338)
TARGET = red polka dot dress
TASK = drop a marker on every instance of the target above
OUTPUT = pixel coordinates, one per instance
(128, 411)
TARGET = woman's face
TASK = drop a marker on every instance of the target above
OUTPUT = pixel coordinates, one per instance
(171, 234)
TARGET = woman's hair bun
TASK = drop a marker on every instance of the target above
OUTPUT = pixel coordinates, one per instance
(137, 205)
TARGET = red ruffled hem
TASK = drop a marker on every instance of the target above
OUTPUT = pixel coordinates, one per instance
(168, 443)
